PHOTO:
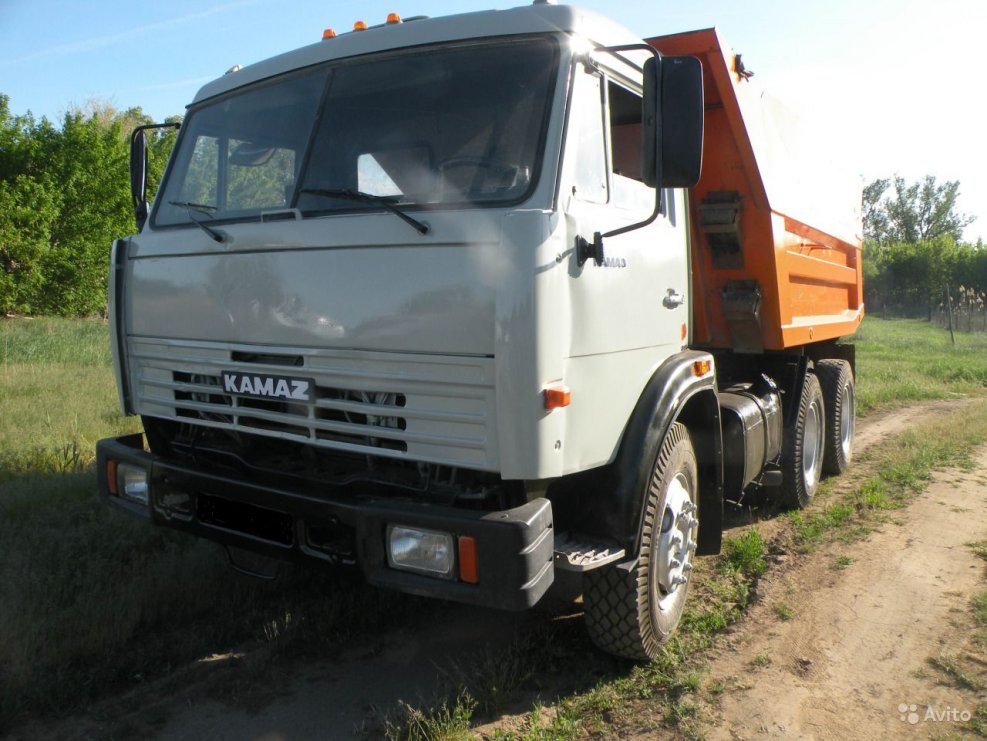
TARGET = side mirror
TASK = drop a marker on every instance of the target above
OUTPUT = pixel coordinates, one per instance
(138, 169)
(681, 125)
(672, 122)
(138, 175)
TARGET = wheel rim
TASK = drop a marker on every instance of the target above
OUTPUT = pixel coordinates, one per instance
(812, 445)
(847, 414)
(676, 542)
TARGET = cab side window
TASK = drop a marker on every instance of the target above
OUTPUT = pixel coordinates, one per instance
(625, 116)
(591, 160)
(625, 131)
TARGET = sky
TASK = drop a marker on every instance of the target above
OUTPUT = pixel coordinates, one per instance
(892, 85)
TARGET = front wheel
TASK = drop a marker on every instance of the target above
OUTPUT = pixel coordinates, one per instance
(631, 612)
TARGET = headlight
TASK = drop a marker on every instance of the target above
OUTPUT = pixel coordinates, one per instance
(132, 483)
(422, 551)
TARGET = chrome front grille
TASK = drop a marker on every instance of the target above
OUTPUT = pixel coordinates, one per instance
(432, 409)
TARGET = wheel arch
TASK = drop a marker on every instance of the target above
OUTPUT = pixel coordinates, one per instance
(609, 501)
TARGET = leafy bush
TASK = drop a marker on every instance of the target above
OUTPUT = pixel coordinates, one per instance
(64, 197)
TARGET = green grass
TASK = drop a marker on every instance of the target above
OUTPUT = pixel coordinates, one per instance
(745, 553)
(446, 722)
(980, 548)
(57, 393)
(904, 468)
(842, 563)
(901, 361)
(980, 609)
(92, 601)
(784, 612)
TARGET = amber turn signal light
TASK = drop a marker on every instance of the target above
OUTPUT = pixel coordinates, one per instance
(469, 566)
(557, 396)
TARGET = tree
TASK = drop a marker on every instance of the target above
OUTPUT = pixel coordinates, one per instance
(913, 212)
(27, 210)
(88, 162)
(64, 196)
(874, 216)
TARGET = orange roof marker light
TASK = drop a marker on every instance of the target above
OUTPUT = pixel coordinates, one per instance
(360, 26)
(328, 34)
(393, 18)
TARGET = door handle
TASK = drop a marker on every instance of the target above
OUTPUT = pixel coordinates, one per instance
(673, 300)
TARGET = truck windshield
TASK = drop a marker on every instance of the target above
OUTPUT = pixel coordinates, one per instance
(453, 127)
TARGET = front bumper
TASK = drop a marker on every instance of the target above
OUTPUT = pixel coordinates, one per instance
(514, 547)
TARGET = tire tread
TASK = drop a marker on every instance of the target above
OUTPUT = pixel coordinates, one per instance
(617, 611)
(833, 374)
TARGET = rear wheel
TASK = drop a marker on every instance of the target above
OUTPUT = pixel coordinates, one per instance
(631, 612)
(802, 449)
(836, 380)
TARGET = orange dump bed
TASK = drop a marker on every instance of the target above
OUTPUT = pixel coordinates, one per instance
(776, 233)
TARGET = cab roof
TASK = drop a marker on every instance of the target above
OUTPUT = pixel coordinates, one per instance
(531, 19)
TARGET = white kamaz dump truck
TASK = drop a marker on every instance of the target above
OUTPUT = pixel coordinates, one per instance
(468, 301)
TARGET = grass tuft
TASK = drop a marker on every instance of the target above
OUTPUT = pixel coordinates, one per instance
(745, 554)
(980, 608)
(842, 562)
(445, 722)
(760, 661)
(784, 612)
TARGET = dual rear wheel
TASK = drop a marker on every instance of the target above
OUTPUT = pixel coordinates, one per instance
(819, 437)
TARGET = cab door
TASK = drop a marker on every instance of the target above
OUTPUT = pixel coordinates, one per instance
(637, 298)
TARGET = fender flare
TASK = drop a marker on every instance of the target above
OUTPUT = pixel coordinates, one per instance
(609, 501)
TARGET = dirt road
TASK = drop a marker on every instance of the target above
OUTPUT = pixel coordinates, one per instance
(853, 660)
(855, 649)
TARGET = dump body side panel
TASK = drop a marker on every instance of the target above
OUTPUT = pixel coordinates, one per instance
(776, 238)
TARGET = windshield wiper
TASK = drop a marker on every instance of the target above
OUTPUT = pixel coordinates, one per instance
(204, 209)
(386, 201)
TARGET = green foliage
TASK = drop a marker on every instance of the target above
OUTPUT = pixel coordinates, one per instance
(913, 212)
(913, 248)
(27, 212)
(64, 197)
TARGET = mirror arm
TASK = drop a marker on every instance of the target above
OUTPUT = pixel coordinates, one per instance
(594, 249)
